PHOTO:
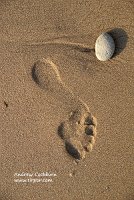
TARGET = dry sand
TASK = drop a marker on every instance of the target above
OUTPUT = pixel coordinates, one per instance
(65, 32)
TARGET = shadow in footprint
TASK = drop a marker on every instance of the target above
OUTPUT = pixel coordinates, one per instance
(6, 104)
(72, 150)
(34, 77)
(61, 130)
(120, 38)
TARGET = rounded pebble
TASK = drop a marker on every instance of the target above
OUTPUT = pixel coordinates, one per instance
(104, 47)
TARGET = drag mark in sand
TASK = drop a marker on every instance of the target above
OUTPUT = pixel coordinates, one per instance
(78, 130)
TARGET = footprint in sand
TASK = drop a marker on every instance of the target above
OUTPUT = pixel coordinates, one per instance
(78, 130)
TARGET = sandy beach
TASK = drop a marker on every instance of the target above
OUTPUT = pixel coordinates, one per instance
(56, 95)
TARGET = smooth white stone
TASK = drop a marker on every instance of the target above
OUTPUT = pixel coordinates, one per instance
(104, 47)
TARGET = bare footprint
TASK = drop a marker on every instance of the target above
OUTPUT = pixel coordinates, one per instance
(78, 130)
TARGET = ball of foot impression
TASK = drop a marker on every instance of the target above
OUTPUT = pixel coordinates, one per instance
(104, 47)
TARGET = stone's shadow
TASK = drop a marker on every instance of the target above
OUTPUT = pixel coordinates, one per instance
(120, 38)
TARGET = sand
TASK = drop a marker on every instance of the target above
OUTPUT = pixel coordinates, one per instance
(34, 103)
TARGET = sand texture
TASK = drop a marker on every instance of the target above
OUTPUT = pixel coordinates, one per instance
(62, 111)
